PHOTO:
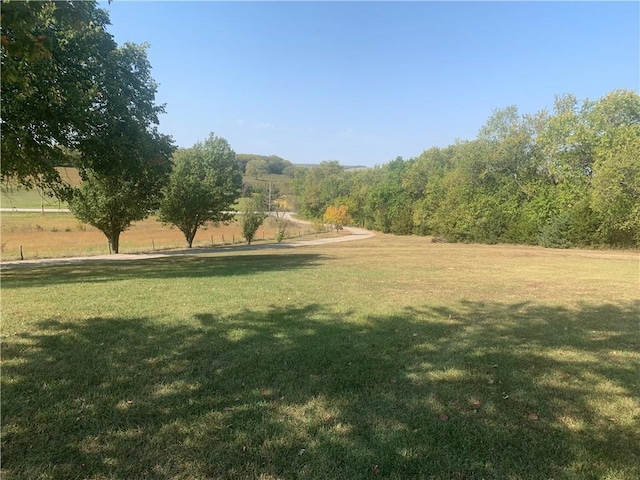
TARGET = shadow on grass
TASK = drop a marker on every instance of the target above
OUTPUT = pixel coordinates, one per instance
(482, 390)
(168, 267)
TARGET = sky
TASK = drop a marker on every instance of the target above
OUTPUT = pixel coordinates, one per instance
(365, 82)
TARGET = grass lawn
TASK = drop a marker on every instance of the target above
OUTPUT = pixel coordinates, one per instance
(386, 358)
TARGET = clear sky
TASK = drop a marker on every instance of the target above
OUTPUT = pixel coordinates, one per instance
(365, 82)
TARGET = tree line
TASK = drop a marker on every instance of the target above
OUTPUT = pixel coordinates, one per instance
(566, 178)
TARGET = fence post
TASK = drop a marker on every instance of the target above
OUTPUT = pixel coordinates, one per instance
(21, 255)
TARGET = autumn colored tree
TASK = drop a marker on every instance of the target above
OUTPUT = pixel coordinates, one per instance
(337, 216)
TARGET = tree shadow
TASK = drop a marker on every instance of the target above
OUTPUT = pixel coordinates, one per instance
(184, 266)
(482, 390)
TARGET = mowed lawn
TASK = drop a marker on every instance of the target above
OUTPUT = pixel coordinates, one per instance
(391, 357)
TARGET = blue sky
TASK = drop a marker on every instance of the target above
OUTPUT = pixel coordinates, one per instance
(365, 82)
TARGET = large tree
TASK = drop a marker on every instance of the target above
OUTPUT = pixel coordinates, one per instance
(615, 193)
(203, 186)
(55, 58)
(124, 162)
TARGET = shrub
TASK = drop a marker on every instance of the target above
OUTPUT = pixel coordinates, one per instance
(556, 233)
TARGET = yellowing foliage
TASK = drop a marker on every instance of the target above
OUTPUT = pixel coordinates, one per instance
(337, 216)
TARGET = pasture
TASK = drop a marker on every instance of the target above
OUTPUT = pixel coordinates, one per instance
(12, 195)
(391, 357)
(56, 234)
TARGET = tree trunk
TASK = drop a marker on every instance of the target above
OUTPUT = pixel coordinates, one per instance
(114, 242)
(189, 233)
(190, 236)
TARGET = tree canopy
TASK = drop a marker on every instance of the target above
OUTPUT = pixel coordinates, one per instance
(204, 184)
(570, 177)
(125, 162)
(68, 87)
(253, 216)
(266, 164)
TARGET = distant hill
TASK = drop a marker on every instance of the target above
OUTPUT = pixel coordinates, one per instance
(262, 164)
(346, 167)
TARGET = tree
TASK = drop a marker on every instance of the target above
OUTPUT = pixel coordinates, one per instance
(111, 203)
(253, 216)
(276, 165)
(56, 58)
(319, 187)
(282, 222)
(257, 168)
(337, 216)
(125, 162)
(204, 184)
(616, 192)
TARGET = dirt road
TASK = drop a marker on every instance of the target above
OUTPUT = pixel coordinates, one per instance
(354, 234)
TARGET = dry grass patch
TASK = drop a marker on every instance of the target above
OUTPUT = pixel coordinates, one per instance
(55, 235)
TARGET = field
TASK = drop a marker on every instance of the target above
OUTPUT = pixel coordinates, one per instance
(385, 358)
(15, 196)
(46, 234)
(62, 235)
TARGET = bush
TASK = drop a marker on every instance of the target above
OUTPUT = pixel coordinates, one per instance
(251, 221)
(556, 233)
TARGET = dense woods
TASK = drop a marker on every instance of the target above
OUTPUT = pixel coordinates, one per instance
(565, 178)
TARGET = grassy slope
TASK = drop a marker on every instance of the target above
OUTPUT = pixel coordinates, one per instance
(389, 358)
(15, 196)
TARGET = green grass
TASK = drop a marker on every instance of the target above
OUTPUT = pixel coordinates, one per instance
(19, 197)
(387, 358)
(13, 195)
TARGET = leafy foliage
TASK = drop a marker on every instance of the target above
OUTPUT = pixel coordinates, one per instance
(571, 178)
(67, 87)
(111, 203)
(317, 188)
(204, 184)
(124, 162)
(337, 216)
(252, 218)
(271, 164)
